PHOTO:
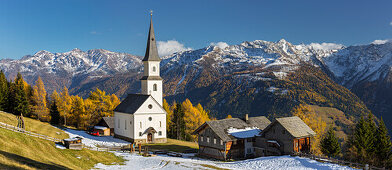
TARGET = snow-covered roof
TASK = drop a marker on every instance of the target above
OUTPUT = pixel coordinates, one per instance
(247, 132)
(100, 127)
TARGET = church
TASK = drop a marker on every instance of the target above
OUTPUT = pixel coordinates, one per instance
(141, 118)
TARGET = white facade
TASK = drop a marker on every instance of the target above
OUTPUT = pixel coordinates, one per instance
(134, 126)
(153, 85)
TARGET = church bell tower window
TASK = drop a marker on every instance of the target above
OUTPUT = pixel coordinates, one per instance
(155, 87)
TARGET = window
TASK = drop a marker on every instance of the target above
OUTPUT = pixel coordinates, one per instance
(214, 140)
(140, 125)
(130, 122)
(155, 87)
(150, 106)
(118, 121)
(150, 118)
(208, 139)
(160, 123)
(125, 123)
(201, 138)
(221, 142)
(160, 133)
(140, 133)
(154, 69)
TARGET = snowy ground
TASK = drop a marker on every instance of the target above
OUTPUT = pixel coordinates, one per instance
(93, 141)
(135, 161)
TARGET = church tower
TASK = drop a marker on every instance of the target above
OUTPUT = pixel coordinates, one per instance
(151, 80)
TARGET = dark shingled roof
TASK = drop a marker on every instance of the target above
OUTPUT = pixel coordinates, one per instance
(151, 51)
(107, 122)
(131, 103)
(220, 126)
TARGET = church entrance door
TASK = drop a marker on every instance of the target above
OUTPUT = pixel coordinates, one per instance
(149, 137)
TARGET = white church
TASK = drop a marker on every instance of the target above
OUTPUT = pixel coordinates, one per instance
(141, 118)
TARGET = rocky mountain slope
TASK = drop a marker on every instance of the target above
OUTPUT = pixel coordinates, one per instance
(257, 77)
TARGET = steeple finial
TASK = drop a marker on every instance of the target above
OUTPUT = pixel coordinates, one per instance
(151, 12)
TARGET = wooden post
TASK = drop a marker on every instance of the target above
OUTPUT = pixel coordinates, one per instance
(140, 148)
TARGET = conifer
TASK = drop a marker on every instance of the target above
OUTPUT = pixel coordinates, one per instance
(3, 92)
(330, 144)
(21, 101)
(383, 144)
(54, 114)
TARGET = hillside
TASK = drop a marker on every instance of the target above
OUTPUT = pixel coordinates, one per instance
(19, 151)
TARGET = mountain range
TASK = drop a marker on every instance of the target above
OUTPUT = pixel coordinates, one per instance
(257, 77)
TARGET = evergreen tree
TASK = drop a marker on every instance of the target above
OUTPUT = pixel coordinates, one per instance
(330, 144)
(362, 140)
(179, 122)
(3, 92)
(169, 116)
(54, 114)
(21, 99)
(383, 144)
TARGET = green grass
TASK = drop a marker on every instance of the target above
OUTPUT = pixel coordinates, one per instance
(34, 125)
(19, 151)
(173, 145)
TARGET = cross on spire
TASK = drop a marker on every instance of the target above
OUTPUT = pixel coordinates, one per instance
(151, 11)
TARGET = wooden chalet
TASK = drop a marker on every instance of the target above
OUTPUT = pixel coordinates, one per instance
(107, 122)
(285, 136)
(230, 138)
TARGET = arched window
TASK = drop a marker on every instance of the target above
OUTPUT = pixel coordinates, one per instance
(155, 87)
(154, 69)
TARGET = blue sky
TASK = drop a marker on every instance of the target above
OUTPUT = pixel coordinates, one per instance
(28, 26)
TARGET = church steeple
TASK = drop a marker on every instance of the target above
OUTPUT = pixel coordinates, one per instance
(151, 50)
(151, 80)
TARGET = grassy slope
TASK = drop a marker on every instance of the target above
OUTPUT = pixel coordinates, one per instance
(33, 125)
(21, 151)
(335, 117)
(174, 145)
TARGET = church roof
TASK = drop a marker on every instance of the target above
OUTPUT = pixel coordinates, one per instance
(131, 103)
(151, 78)
(151, 51)
(221, 127)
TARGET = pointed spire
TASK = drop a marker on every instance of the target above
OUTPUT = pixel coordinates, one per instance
(151, 51)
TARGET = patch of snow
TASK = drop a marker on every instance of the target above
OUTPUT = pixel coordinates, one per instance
(60, 146)
(274, 141)
(247, 132)
(272, 89)
(94, 141)
(165, 162)
(100, 127)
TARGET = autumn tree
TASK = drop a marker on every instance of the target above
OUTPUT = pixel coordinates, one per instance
(64, 104)
(314, 122)
(169, 116)
(40, 108)
(229, 117)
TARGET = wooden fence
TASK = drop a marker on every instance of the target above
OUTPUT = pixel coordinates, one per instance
(19, 130)
(337, 161)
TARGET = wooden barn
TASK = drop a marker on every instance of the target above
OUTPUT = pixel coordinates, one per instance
(107, 122)
(285, 136)
(230, 138)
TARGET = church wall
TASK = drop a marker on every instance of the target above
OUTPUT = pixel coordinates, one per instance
(158, 122)
(123, 124)
(150, 67)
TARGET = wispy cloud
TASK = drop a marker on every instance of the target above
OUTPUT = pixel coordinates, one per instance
(326, 46)
(171, 46)
(94, 32)
(390, 23)
(377, 42)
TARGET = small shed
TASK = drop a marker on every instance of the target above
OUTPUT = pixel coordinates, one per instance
(73, 143)
(103, 131)
(107, 122)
